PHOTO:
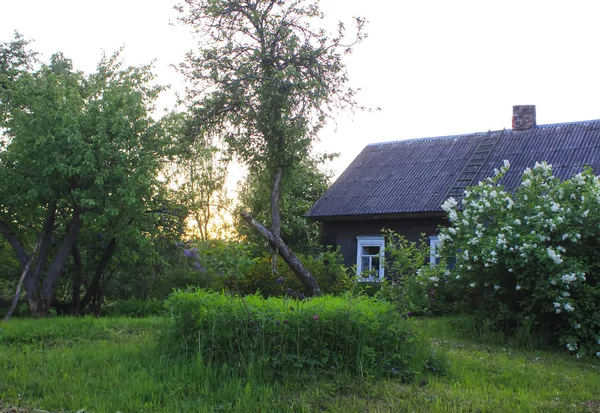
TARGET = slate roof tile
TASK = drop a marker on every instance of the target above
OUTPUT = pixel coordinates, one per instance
(415, 175)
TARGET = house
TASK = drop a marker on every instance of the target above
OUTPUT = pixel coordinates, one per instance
(401, 185)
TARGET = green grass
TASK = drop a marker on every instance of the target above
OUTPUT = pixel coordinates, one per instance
(112, 364)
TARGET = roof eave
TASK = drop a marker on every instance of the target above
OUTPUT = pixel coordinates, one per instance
(379, 217)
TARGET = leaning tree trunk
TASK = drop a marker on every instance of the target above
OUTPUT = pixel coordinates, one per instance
(20, 284)
(58, 263)
(288, 256)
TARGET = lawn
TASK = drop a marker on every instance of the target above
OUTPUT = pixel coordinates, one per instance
(114, 364)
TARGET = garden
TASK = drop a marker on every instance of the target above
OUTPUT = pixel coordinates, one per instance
(132, 279)
(442, 338)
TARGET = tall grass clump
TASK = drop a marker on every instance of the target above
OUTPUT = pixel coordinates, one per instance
(356, 335)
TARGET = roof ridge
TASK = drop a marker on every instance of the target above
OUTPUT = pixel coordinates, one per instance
(464, 135)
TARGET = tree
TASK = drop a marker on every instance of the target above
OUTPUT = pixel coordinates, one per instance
(301, 187)
(79, 150)
(270, 81)
(199, 173)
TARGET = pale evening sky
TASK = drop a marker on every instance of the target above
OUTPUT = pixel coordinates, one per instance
(435, 67)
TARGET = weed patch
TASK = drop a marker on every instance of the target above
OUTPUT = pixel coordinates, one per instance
(356, 335)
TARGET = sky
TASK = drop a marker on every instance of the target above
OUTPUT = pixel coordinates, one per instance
(434, 67)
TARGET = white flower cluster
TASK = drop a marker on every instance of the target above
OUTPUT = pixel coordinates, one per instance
(449, 206)
(543, 167)
(501, 241)
(578, 179)
(554, 256)
(571, 277)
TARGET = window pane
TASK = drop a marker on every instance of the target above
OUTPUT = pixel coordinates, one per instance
(370, 250)
(375, 264)
(366, 265)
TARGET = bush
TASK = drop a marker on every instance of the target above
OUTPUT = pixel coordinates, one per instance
(529, 260)
(411, 283)
(357, 335)
(326, 267)
(210, 265)
(134, 308)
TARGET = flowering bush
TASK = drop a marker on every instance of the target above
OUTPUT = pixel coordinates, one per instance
(530, 258)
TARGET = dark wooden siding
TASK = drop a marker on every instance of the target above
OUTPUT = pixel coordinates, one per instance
(344, 233)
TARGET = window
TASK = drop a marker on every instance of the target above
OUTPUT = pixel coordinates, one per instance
(434, 257)
(369, 257)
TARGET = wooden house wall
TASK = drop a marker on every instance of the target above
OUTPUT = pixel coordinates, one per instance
(344, 233)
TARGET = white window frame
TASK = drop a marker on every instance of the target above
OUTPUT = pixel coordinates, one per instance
(434, 242)
(369, 241)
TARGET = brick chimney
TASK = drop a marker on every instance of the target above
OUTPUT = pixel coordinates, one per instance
(523, 117)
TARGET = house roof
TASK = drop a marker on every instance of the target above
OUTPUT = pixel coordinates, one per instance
(415, 176)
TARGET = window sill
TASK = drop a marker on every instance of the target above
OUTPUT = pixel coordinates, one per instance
(369, 280)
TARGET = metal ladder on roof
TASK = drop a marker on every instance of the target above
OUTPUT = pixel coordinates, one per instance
(473, 166)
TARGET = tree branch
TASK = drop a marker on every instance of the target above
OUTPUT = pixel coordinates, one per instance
(13, 240)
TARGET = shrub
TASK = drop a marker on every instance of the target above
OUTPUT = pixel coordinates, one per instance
(411, 283)
(326, 267)
(207, 265)
(222, 260)
(134, 308)
(357, 335)
(530, 259)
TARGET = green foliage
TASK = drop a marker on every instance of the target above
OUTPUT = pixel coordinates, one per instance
(134, 308)
(268, 81)
(198, 173)
(354, 335)
(410, 283)
(82, 152)
(9, 270)
(224, 260)
(273, 79)
(528, 261)
(327, 267)
(204, 264)
(404, 258)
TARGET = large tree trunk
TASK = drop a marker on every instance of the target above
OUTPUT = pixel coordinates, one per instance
(36, 305)
(58, 263)
(275, 211)
(94, 292)
(29, 274)
(288, 256)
